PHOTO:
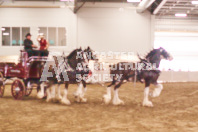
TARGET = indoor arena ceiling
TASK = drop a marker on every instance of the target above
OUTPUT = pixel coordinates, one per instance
(160, 8)
(175, 8)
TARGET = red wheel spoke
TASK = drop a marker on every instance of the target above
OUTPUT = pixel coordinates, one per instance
(18, 89)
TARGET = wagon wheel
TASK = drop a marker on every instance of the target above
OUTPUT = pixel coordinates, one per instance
(28, 89)
(17, 89)
(2, 86)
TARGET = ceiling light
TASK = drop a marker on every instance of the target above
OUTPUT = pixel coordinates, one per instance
(181, 15)
(133, 0)
(194, 2)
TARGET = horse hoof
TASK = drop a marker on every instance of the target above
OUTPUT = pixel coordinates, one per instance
(75, 94)
(77, 99)
(83, 100)
(49, 99)
(40, 95)
(59, 98)
(148, 104)
(118, 102)
(106, 99)
(65, 101)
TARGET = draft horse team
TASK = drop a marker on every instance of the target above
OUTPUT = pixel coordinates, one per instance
(74, 69)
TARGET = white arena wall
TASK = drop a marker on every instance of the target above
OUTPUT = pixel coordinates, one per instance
(115, 29)
(100, 27)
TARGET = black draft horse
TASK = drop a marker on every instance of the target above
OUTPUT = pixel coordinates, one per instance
(72, 69)
(146, 71)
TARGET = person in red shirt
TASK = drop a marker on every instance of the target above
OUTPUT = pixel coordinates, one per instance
(43, 46)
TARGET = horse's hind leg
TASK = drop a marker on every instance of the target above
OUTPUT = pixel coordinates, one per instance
(65, 99)
(107, 97)
(116, 99)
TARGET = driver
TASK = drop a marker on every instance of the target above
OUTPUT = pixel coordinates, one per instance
(28, 46)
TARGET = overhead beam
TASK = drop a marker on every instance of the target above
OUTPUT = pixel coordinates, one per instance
(144, 5)
(77, 7)
(159, 7)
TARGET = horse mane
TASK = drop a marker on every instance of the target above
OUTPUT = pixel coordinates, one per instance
(71, 54)
(151, 53)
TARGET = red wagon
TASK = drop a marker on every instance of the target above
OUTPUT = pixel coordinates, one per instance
(24, 76)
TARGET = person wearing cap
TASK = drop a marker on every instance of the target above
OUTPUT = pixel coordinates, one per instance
(28, 46)
(43, 45)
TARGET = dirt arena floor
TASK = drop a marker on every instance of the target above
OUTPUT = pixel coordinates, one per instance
(176, 110)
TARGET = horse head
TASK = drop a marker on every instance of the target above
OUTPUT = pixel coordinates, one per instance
(91, 55)
(76, 57)
(156, 55)
(164, 54)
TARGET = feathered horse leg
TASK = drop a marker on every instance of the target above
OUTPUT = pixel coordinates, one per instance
(157, 91)
(65, 100)
(116, 99)
(107, 97)
(41, 93)
(146, 101)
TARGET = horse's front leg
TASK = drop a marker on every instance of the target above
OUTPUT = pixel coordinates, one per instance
(82, 98)
(157, 91)
(59, 97)
(41, 93)
(146, 101)
(51, 94)
(65, 100)
(116, 99)
(79, 94)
